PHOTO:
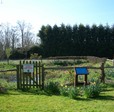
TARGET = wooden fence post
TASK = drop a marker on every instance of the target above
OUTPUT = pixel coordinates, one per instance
(102, 73)
(75, 80)
(43, 77)
(18, 87)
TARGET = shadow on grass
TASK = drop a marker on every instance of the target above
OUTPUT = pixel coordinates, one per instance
(83, 99)
(15, 92)
(80, 98)
(107, 97)
(111, 85)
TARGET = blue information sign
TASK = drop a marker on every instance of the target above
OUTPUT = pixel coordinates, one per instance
(81, 71)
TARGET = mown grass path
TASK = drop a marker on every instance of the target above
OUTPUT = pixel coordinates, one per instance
(26, 102)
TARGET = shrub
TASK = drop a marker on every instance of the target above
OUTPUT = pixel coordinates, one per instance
(3, 86)
(93, 90)
(3, 90)
(36, 50)
(74, 93)
(3, 83)
(52, 88)
(64, 91)
(12, 85)
(61, 63)
(35, 56)
(17, 55)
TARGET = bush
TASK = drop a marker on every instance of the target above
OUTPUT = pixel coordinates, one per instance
(17, 55)
(3, 83)
(35, 56)
(61, 63)
(52, 88)
(3, 86)
(12, 85)
(3, 90)
(73, 93)
(93, 90)
(64, 91)
(35, 49)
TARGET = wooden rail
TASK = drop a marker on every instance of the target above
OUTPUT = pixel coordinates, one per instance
(8, 70)
(102, 68)
(63, 68)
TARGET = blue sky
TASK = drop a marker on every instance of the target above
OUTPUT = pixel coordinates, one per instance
(43, 12)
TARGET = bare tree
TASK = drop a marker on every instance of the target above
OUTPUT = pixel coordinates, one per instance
(4, 38)
(1, 42)
(8, 38)
(7, 41)
(28, 42)
(14, 37)
(22, 27)
(25, 32)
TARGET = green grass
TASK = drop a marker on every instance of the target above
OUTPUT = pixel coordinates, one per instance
(17, 101)
(5, 66)
(26, 102)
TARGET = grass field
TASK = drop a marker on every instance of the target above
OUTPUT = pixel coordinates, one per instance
(26, 102)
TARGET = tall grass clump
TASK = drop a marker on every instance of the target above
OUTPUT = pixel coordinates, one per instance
(71, 92)
(5, 86)
(52, 88)
(74, 92)
(93, 90)
(64, 91)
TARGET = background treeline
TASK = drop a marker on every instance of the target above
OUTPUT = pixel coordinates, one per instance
(77, 40)
(16, 40)
(19, 42)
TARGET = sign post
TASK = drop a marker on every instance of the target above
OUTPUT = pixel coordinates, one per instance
(28, 68)
(80, 71)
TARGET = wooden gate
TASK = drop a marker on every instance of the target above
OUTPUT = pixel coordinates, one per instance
(30, 74)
